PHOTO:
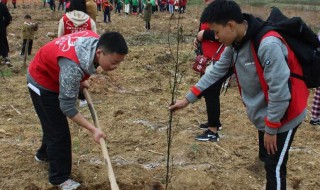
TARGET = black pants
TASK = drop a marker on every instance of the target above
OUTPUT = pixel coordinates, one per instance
(118, 9)
(56, 140)
(4, 45)
(212, 98)
(61, 4)
(276, 165)
(161, 7)
(52, 5)
(181, 9)
(106, 15)
(134, 9)
(148, 25)
(24, 46)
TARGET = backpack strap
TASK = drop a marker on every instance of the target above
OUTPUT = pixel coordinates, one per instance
(266, 32)
(259, 69)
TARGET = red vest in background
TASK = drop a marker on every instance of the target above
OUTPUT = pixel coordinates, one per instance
(69, 27)
(209, 48)
(44, 68)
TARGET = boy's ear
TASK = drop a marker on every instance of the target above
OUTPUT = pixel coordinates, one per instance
(98, 51)
(231, 25)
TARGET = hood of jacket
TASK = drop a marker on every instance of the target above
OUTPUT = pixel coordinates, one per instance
(85, 49)
(77, 17)
(254, 26)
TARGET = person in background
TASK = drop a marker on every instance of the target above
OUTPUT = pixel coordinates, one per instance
(154, 6)
(182, 6)
(76, 19)
(55, 75)
(162, 5)
(5, 20)
(315, 109)
(119, 4)
(28, 31)
(147, 14)
(135, 5)
(140, 7)
(62, 5)
(107, 8)
(127, 6)
(52, 5)
(14, 3)
(212, 49)
(98, 2)
(276, 103)
(171, 6)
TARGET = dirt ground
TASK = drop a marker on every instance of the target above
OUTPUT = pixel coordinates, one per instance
(132, 107)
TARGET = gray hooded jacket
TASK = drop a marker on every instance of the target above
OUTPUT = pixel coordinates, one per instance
(272, 53)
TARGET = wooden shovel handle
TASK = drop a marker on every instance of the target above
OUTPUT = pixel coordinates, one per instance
(112, 178)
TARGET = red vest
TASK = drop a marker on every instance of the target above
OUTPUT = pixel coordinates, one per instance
(44, 68)
(69, 27)
(209, 48)
(298, 88)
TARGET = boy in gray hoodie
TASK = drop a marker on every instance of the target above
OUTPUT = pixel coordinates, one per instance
(276, 111)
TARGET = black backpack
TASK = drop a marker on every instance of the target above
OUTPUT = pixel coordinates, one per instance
(301, 39)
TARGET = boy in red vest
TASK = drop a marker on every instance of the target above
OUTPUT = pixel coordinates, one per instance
(76, 19)
(57, 73)
(276, 111)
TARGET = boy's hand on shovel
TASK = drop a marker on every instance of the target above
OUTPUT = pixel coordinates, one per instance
(97, 134)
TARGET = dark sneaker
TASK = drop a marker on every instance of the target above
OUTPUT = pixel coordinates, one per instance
(315, 122)
(208, 135)
(205, 126)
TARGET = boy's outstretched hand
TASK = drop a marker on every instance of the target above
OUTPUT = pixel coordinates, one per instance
(180, 104)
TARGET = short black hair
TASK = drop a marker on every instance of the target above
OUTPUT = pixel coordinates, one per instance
(77, 5)
(113, 42)
(27, 16)
(221, 12)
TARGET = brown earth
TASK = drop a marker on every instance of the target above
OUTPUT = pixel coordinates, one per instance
(132, 106)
